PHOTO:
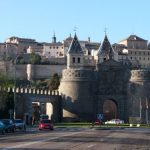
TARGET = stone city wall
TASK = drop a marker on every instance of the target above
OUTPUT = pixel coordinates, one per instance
(38, 71)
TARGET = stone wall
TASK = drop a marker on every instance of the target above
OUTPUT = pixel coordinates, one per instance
(39, 71)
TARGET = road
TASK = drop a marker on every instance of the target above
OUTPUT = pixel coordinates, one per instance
(78, 139)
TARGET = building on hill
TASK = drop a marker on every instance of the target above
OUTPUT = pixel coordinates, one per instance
(136, 51)
(134, 42)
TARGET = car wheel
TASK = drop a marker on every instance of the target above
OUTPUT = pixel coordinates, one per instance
(24, 128)
(3, 132)
(13, 130)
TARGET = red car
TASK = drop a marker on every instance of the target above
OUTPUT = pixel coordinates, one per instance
(46, 124)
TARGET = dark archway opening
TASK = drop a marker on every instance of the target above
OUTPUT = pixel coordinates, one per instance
(109, 110)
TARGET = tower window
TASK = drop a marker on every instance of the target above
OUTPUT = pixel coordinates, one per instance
(78, 59)
(104, 59)
(73, 59)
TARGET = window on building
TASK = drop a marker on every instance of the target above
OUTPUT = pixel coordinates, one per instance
(135, 53)
(78, 59)
(104, 59)
(131, 58)
(73, 60)
(139, 58)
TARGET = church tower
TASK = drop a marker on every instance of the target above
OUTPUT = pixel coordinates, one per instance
(75, 55)
(54, 38)
(106, 52)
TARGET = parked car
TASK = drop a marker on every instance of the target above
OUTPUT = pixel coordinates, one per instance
(114, 121)
(9, 125)
(46, 124)
(20, 124)
(2, 127)
(98, 122)
(44, 116)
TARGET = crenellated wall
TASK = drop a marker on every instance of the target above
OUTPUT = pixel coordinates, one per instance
(142, 75)
(25, 97)
(30, 91)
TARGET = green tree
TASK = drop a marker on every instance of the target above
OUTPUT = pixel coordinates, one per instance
(35, 59)
(54, 83)
(6, 98)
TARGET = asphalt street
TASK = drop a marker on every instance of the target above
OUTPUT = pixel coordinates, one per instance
(78, 139)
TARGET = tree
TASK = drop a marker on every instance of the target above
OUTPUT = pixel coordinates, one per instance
(54, 83)
(6, 98)
(35, 59)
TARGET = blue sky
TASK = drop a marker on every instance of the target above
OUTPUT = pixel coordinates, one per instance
(38, 19)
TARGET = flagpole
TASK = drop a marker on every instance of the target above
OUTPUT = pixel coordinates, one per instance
(140, 110)
(146, 111)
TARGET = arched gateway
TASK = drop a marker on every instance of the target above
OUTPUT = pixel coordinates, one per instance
(112, 91)
(88, 92)
(110, 109)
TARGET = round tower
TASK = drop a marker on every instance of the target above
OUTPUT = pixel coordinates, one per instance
(139, 97)
(76, 88)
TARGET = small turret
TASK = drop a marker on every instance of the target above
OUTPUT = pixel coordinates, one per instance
(106, 52)
(75, 54)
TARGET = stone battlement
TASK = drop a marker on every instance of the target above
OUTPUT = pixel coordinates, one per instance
(140, 75)
(75, 74)
(30, 91)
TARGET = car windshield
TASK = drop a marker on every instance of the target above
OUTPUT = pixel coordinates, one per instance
(18, 121)
(46, 121)
(6, 122)
(43, 116)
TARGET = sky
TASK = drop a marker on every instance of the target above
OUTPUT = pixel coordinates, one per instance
(39, 19)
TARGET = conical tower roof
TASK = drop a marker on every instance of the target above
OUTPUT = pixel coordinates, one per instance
(106, 48)
(75, 47)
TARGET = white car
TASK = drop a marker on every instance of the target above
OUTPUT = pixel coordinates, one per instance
(115, 121)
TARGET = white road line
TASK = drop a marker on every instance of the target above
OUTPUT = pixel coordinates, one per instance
(38, 141)
(90, 145)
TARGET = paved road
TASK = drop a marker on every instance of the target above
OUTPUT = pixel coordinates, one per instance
(78, 139)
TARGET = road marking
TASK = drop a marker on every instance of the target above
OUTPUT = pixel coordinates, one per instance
(90, 145)
(38, 141)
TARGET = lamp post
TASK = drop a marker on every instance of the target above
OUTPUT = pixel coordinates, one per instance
(15, 61)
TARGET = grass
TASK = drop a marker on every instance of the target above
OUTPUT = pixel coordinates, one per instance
(89, 124)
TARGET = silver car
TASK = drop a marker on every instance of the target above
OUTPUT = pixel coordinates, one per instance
(20, 124)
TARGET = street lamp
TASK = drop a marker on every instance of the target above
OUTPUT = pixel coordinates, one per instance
(15, 61)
